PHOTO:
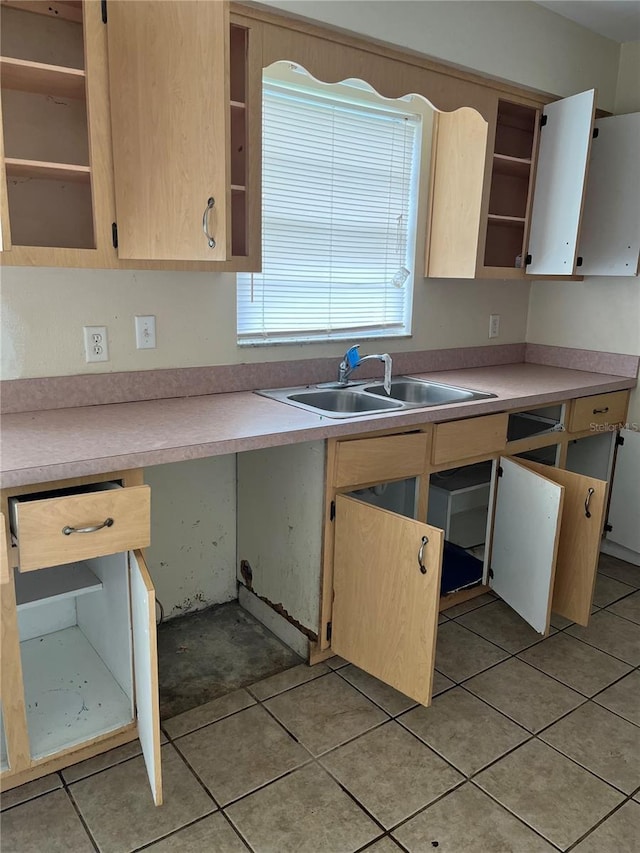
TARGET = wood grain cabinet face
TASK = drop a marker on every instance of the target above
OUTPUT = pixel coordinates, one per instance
(467, 438)
(86, 618)
(600, 412)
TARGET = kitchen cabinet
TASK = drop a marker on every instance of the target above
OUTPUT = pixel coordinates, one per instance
(610, 236)
(63, 101)
(79, 658)
(335, 543)
(507, 195)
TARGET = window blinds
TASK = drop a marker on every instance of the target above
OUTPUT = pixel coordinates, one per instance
(339, 185)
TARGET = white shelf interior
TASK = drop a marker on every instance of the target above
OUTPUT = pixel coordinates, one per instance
(70, 694)
(54, 584)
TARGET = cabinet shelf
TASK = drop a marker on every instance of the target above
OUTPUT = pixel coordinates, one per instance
(238, 188)
(38, 78)
(54, 584)
(17, 168)
(515, 221)
(67, 10)
(238, 105)
(518, 167)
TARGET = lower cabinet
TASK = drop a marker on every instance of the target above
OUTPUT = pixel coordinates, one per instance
(79, 655)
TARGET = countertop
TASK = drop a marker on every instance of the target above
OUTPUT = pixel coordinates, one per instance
(43, 446)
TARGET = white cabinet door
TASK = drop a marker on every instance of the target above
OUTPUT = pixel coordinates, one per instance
(386, 590)
(563, 158)
(625, 494)
(610, 235)
(525, 542)
(145, 663)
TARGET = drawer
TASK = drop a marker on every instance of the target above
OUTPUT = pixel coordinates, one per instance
(471, 437)
(374, 460)
(40, 524)
(598, 411)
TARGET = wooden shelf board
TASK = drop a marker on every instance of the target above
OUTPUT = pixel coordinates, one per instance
(41, 79)
(68, 10)
(17, 168)
(238, 188)
(518, 167)
(238, 105)
(54, 584)
(514, 221)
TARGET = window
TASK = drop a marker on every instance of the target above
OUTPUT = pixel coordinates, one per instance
(339, 205)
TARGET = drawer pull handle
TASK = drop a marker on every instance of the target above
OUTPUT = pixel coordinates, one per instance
(69, 530)
(205, 223)
(588, 502)
(601, 411)
(423, 568)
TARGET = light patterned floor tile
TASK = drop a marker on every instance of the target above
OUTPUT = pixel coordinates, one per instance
(305, 812)
(608, 590)
(49, 823)
(549, 792)
(30, 790)
(619, 569)
(211, 711)
(619, 833)
(623, 697)
(325, 713)
(628, 607)
(611, 634)
(440, 683)
(468, 821)
(390, 700)
(391, 773)
(500, 624)
(212, 834)
(240, 753)
(461, 653)
(464, 730)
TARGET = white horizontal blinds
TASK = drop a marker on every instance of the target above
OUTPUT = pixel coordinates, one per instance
(338, 221)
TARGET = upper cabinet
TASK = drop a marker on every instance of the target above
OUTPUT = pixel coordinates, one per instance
(610, 237)
(507, 196)
(131, 134)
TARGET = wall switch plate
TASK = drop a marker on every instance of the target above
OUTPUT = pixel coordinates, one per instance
(96, 346)
(146, 332)
(494, 325)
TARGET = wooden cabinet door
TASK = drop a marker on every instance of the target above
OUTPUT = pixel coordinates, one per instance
(168, 82)
(385, 609)
(583, 508)
(525, 541)
(563, 161)
(610, 236)
(145, 669)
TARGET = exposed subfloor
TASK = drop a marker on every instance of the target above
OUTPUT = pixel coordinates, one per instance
(530, 746)
(206, 654)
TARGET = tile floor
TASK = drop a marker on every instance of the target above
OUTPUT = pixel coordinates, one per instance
(530, 745)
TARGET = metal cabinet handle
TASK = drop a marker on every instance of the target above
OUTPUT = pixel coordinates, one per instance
(588, 502)
(601, 411)
(69, 530)
(423, 568)
(205, 222)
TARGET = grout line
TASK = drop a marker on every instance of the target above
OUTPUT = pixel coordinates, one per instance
(597, 825)
(593, 646)
(174, 738)
(375, 702)
(77, 810)
(288, 689)
(197, 777)
(563, 683)
(266, 784)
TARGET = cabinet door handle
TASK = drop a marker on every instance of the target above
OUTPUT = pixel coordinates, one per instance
(588, 502)
(205, 223)
(601, 411)
(423, 568)
(69, 530)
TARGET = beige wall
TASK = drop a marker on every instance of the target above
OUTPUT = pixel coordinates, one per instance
(599, 313)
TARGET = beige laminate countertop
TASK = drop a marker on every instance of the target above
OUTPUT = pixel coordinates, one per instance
(43, 446)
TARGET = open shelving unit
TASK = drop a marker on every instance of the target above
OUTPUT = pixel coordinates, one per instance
(511, 185)
(44, 121)
(238, 90)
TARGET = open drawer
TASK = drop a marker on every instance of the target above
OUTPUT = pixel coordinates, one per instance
(80, 523)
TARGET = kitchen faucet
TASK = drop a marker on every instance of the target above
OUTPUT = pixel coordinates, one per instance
(352, 360)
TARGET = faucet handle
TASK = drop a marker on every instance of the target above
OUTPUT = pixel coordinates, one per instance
(352, 357)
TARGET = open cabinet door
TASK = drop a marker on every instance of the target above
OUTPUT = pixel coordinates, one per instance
(561, 175)
(585, 501)
(385, 607)
(145, 667)
(524, 549)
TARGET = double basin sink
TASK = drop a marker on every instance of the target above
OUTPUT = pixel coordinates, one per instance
(370, 398)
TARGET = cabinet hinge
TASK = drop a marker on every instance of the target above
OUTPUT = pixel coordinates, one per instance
(332, 511)
(596, 132)
(579, 261)
(491, 573)
(619, 440)
(114, 234)
(500, 471)
(103, 9)
(608, 528)
(543, 120)
(329, 625)
(527, 260)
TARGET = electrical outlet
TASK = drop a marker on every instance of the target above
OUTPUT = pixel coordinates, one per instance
(146, 332)
(494, 325)
(96, 346)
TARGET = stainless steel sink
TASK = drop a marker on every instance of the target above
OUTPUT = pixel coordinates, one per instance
(422, 393)
(360, 398)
